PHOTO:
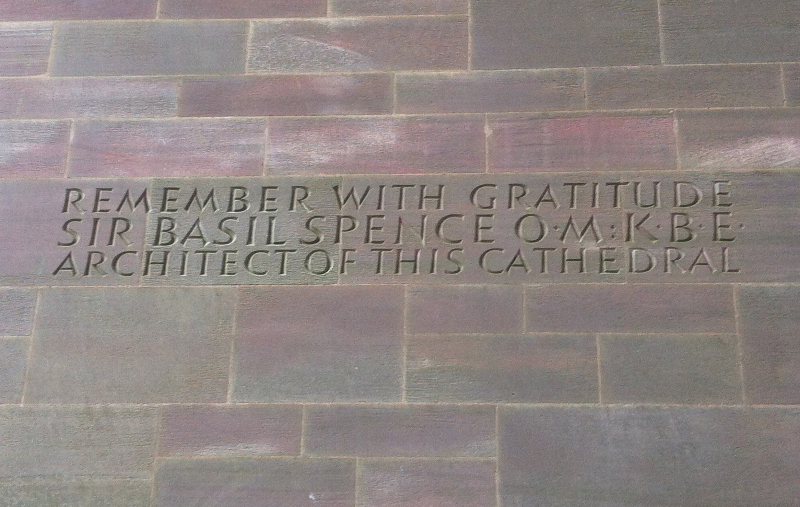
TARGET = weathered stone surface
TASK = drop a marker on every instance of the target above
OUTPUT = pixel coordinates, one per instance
(686, 86)
(517, 369)
(349, 45)
(183, 9)
(83, 9)
(16, 311)
(729, 31)
(710, 457)
(592, 143)
(739, 139)
(76, 441)
(689, 369)
(397, 430)
(490, 92)
(13, 359)
(24, 48)
(791, 77)
(285, 482)
(35, 149)
(149, 345)
(319, 344)
(630, 308)
(395, 483)
(149, 48)
(771, 351)
(223, 431)
(516, 34)
(87, 97)
(176, 147)
(405, 145)
(287, 95)
(464, 309)
(86, 492)
(397, 7)
(48, 232)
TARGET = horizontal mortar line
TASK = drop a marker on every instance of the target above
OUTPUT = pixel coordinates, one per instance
(170, 77)
(665, 333)
(16, 337)
(290, 457)
(489, 458)
(674, 65)
(313, 19)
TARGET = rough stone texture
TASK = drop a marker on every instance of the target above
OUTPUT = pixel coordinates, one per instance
(535, 369)
(55, 492)
(686, 86)
(87, 97)
(397, 7)
(630, 308)
(16, 311)
(771, 350)
(33, 148)
(80, 9)
(397, 483)
(76, 441)
(168, 148)
(410, 430)
(592, 143)
(132, 346)
(689, 369)
(188, 9)
(739, 139)
(149, 48)
(791, 76)
(349, 45)
(319, 344)
(395, 145)
(464, 309)
(729, 31)
(518, 34)
(224, 431)
(263, 482)
(13, 358)
(287, 95)
(24, 48)
(490, 92)
(585, 456)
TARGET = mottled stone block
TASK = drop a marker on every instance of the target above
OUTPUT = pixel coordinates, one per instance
(684, 86)
(635, 308)
(791, 77)
(753, 139)
(149, 48)
(44, 10)
(407, 145)
(76, 441)
(33, 149)
(300, 95)
(24, 48)
(13, 358)
(224, 431)
(595, 143)
(319, 344)
(464, 309)
(516, 34)
(16, 311)
(86, 492)
(397, 7)
(490, 92)
(770, 345)
(729, 31)
(691, 369)
(87, 97)
(398, 483)
(264, 482)
(183, 9)
(176, 147)
(349, 45)
(709, 457)
(132, 346)
(536, 369)
(397, 430)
